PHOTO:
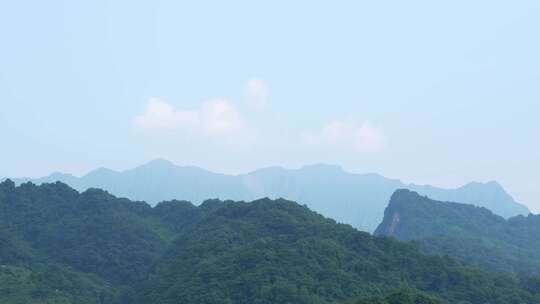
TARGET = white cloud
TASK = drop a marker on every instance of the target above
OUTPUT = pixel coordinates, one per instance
(257, 92)
(220, 118)
(214, 118)
(338, 134)
(161, 116)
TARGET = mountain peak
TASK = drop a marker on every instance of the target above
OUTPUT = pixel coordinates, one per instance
(160, 162)
(156, 164)
(60, 175)
(490, 185)
(8, 183)
(323, 168)
(403, 192)
(101, 171)
(409, 213)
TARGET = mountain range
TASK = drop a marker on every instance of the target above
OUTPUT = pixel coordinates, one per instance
(472, 234)
(59, 246)
(355, 199)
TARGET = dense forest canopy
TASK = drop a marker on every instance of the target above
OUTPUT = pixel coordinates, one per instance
(61, 246)
(469, 233)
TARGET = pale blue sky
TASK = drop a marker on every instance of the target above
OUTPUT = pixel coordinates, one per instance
(425, 91)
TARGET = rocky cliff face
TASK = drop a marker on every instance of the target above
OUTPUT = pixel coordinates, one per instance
(472, 234)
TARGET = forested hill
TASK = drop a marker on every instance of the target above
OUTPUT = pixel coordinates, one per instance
(470, 233)
(61, 246)
(355, 199)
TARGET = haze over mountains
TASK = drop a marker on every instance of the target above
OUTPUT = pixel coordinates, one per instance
(356, 199)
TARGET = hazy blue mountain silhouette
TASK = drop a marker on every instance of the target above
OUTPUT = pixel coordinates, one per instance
(356, 199)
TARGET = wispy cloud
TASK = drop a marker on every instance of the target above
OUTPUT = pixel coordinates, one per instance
(160, 116)
(257, 93)
(219, 117)
(219, 121)
(214, 118)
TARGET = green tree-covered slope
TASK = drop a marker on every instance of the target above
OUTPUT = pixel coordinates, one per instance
(61, 246)
(280, 252)
(470, 233)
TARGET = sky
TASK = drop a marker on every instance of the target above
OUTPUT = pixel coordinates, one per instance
(430, 92)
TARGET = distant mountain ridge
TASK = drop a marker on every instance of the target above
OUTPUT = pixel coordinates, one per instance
(356, 199)
(472, 234)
